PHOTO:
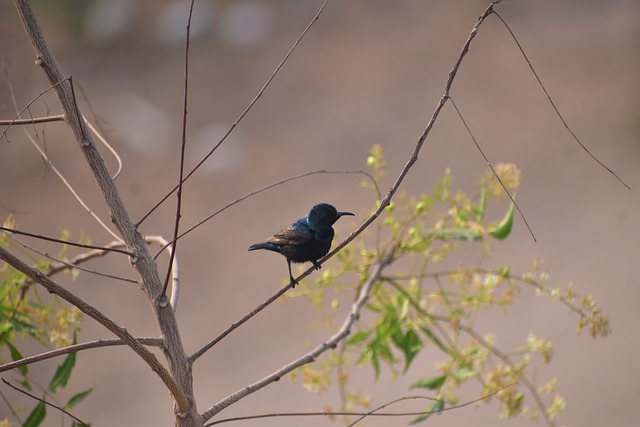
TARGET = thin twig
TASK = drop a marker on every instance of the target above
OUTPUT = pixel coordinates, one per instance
(553, 105)
(183, 147)
(244, 113)
(363, 415)
(97, 132)
(484, 156)
(109, 147)
(45, 402)
(155, 342)
(61, 265)
(64, 242)
(268, 187)
(33, 120)
(26, 107)
(311, 356)
(47, 161)
(175, 272)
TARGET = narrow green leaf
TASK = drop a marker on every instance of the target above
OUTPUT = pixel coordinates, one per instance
(16, 355)
(26, 384)
(78, 398)
(434, 339)
(63, 373)
(358, 337)
(36, 416)
(435, 407)
(375, 363)
(503, 229)
(433, 383)
(482, 205)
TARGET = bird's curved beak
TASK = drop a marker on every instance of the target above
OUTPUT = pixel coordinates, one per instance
(344, 213)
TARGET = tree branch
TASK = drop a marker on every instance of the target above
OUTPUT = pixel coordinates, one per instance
(32, 121)
(155, 342)
(181, 384)
(311, 356)
(56, 289)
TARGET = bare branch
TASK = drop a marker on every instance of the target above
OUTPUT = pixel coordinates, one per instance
(155, 342)
(363, 415)
(175, 272)
(237, 324)
(244, 113)
(183, 146)
(61, 265)
(45, 402)
(311, 356)
(33, 120)
(102, 139)
(553, 105)
(64, 242)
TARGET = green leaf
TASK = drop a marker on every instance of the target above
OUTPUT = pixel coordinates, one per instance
(26, 384)
(375, 363)
(434, 339)
(358, 337)
(482, 205)
(435, 407)
(63, 373)
(36, 416)
(16, 355)
(78, 398)
(409, 344)
(433, 383)
(503, 229)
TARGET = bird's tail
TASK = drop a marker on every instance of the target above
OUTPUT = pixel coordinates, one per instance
(266, 245)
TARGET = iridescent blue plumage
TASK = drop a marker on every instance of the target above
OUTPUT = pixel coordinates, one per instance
(306, 240)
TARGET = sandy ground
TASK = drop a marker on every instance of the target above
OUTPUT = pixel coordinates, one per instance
(370, 72)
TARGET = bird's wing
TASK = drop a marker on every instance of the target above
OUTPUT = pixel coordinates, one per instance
(289, 236)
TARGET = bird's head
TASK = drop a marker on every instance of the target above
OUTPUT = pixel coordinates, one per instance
(324, 214)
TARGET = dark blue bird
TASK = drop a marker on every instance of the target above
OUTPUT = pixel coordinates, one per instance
(307, 239)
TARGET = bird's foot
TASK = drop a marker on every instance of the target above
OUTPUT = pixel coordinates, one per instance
(316, 265)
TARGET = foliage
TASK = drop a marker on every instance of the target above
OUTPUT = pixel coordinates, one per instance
(26, 317)
(426, 305)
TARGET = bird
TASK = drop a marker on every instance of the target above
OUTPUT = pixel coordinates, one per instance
(306, 240)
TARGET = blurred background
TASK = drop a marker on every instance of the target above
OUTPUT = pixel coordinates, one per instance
(369, 72)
